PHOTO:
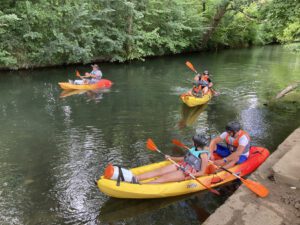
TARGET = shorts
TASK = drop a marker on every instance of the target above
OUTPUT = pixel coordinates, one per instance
(187, 168)
(94, 81)
(224, 152)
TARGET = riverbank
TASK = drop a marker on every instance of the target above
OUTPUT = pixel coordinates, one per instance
(280, 174)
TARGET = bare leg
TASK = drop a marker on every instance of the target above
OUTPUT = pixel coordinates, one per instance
(157, 172)
(177, 175)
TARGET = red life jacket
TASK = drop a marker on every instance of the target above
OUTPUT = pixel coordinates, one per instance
(205, 78)
(203, 82)
(233, 145)
(197, 91)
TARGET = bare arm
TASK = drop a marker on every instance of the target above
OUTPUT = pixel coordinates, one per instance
(197, 77)
(86, 75)
(205, 90)
(236, 155)
(213, 146)
(204, 164)
(232, 159)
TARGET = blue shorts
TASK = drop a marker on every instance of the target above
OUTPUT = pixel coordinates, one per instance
(224, 152)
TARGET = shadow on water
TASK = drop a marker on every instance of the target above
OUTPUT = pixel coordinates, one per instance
(198, 205)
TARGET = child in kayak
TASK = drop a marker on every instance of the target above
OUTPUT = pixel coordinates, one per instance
(194, 162)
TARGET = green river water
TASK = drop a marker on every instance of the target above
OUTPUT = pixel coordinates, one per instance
(52, 146)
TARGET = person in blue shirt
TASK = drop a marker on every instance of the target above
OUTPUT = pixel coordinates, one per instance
(195, 162)
(95, 76)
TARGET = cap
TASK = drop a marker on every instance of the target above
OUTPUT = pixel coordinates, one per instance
(95, 65)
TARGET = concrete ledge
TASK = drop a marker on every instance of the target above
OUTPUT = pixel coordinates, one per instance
(266, 168)
(281, 206)
(287, 169)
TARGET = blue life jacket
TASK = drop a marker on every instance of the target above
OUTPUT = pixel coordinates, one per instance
(193, 158)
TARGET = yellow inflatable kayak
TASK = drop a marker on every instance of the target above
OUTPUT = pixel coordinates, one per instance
(143, 191)
(193, 101)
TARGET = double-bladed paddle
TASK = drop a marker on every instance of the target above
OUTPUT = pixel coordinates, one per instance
(256, 187)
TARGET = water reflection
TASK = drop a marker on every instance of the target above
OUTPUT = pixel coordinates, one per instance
(114, 210)
(189, 115)
(92, 95)
(52, 147)
(74, 173)
(67, 93)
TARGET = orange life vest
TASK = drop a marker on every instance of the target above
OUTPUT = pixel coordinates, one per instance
(198, 91)
(234, 144)
(205, 78)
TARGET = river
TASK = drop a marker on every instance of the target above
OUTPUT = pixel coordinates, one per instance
(53, 146)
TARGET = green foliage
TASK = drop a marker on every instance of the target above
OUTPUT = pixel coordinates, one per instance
(7, 59)
(295, 47)
(6, 21)
(291, 32)
(283, 17)
(52, 32)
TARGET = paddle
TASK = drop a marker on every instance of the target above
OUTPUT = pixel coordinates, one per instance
(78, 74)
(190, 65)
(256, 187)
(151, 146)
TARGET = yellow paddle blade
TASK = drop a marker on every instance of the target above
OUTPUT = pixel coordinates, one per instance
(150, 145)
(256, 187)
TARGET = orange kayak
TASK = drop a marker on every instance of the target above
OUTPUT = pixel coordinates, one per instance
(103, 83)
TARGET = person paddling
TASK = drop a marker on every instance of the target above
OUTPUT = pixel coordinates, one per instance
(194, 162)
(204, 77)
(237, 146)
(200, 88)
(95, 76)
(201, 85)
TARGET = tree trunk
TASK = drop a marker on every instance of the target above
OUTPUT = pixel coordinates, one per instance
(215, 22)
(129, 33)
(287, 90)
